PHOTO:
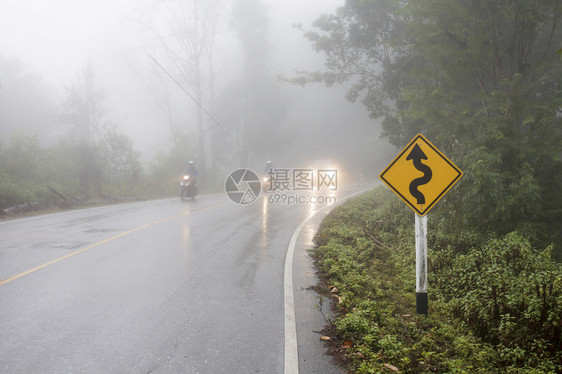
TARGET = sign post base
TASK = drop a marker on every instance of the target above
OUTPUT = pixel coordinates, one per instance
(421, 303)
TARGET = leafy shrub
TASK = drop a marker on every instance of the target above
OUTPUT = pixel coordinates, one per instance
(510, 296)
(10, 193)
(495, 304)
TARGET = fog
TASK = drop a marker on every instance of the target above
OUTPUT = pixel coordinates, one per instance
(145, 95)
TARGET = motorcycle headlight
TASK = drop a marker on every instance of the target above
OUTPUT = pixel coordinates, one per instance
(185, 177)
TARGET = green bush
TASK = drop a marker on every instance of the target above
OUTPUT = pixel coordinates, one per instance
(10, 193)
(510, 296)
(14, 192)
(495, 304)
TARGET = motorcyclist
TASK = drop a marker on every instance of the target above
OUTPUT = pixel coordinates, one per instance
(268, 167)
(267, 178)
(193, 174)
(191, 171)
(189, 183)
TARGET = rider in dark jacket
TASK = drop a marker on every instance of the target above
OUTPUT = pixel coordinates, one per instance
(191, 171)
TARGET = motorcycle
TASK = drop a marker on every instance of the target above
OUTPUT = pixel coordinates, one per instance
(188, 188)
(268, 180)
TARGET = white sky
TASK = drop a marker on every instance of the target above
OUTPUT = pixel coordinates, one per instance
(57, 38)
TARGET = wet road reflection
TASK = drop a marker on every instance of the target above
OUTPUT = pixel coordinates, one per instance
(185, 285)
(264, 221)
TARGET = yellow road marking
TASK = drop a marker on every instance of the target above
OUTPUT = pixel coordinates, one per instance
(27, 272)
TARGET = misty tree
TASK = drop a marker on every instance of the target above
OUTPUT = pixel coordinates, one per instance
(186, 32)
(159, 90)
(254, 103)
(82, 109)
(26, 107)
(22, 158)
(123, 162)
(102, 156)
(479, 78)
(20, 167)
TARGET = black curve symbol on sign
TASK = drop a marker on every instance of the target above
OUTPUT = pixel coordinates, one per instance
(417, 156)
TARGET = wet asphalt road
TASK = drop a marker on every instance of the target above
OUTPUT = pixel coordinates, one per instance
(158, 287)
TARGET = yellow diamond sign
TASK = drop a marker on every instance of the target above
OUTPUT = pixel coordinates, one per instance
(421, 175)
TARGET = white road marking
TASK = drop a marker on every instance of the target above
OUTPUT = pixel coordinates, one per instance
(291, 344)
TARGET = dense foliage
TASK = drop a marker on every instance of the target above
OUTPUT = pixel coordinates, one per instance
(497, 308)
(481, 79)
(75, 171)
(90, 161)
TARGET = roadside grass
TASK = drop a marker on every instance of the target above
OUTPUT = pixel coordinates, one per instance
(495, 305)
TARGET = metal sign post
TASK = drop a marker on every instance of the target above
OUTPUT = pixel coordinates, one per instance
(421, 175)
(421, 264)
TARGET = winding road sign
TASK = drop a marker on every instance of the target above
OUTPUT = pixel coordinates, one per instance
(420, 175)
